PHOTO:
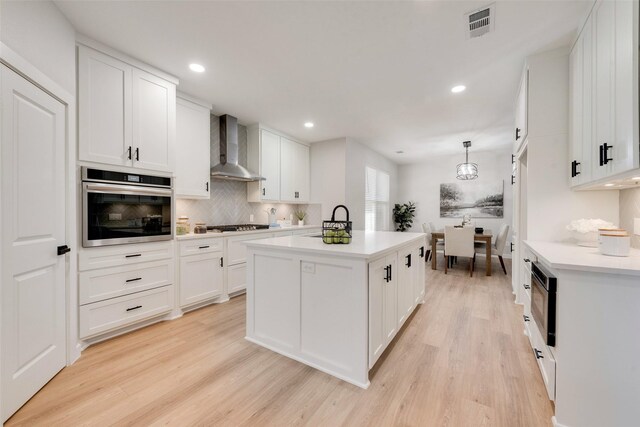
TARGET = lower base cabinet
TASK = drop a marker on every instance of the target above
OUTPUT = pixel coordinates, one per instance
(236, 278)
(201, 277)
(117, 312)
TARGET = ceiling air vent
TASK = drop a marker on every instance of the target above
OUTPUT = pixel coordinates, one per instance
(480, 21)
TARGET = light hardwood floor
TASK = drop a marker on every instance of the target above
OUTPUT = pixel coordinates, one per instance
(462, 360)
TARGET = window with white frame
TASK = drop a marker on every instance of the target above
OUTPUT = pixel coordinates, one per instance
(376, 200)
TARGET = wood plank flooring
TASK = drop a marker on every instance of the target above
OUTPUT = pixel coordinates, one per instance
(461, 360)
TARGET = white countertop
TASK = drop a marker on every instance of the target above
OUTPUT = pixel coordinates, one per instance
(364, 244)
(241, 233)
(568, 256)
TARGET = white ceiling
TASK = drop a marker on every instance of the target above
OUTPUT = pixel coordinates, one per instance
(378, 72)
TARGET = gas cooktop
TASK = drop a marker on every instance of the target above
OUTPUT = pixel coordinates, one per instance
(236, 227)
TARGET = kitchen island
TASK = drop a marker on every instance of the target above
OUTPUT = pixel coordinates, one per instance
(334, 307)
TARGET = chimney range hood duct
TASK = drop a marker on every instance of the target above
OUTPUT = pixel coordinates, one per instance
(228, 168)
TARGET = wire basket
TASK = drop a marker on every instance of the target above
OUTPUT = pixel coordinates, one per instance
(337, 232)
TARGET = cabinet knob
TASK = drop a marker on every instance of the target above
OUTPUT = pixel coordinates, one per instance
(518, 130)
(137, 154)
(525, 317)
(207, 186)
(538, 353)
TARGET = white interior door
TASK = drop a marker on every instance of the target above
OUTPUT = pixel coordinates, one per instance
(33, 225)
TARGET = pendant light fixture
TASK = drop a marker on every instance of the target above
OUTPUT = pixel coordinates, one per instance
(466, 170)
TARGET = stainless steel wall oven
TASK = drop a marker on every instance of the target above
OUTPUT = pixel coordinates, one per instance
(543, 302)
(120, 208)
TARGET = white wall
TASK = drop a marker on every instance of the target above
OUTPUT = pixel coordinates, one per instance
(420, 183)
(358, 158)
(338, 177)
(42, 35)
(328, 174)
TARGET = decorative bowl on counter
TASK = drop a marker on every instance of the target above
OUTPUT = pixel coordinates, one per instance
(585, 231)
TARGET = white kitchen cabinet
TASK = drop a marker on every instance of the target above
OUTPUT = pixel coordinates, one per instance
(154, 121)
(419, 254)
(201, 277)
(263, 157)
(407, 276)
(126, 114)
(284, 163)
(521, 125)
(112, 278)
(104, 108)
(114, 313)
(383, 305)
(294, 177)
(604, 118)
(192, 169)
(580, 61)
(236, 278)
(201, 269)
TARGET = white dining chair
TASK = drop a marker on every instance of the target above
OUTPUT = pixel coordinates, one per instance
(429, 229)
(458, 242)
(497, 248)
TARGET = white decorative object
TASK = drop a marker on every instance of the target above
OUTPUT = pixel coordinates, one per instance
(585, 231)
(615, 244)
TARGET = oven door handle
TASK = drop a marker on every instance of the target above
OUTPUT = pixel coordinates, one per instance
(133, 190)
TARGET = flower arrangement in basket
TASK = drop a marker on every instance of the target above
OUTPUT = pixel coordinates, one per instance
(337, 232)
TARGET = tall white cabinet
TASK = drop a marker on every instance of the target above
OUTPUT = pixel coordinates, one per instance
(126, 114)
(604, 95)
(193, 148)
(283, 162)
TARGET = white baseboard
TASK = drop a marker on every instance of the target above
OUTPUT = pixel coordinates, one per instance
(555, 422)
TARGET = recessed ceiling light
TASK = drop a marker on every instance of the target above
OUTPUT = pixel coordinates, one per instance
(458, 89)
(308, 125)
(196, 67)
(608, 185)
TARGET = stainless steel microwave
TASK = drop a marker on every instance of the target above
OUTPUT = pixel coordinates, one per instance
(544, 287)
(120, 208)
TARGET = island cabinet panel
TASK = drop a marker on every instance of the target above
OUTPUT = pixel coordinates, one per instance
(331, 336)
(276, 308)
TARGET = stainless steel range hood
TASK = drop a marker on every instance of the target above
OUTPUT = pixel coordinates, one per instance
(228, 168)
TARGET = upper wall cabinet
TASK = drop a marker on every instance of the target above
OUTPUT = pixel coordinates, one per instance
(604, 95)
(193, 124)
(126, 115)
(522, 111)
(283, 162)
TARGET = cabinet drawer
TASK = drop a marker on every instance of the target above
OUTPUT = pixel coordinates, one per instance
(117, 312)
(116, 256)
(236, 278)
(101, 284)
(546, 361)
(200, 246)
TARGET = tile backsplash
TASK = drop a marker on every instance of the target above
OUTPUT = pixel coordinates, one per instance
(228, 202)
(630, 209)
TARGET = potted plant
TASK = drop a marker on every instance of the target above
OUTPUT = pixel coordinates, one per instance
(403, 215)
(300, 215)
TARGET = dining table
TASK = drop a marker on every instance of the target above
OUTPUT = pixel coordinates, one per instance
(478, 237)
